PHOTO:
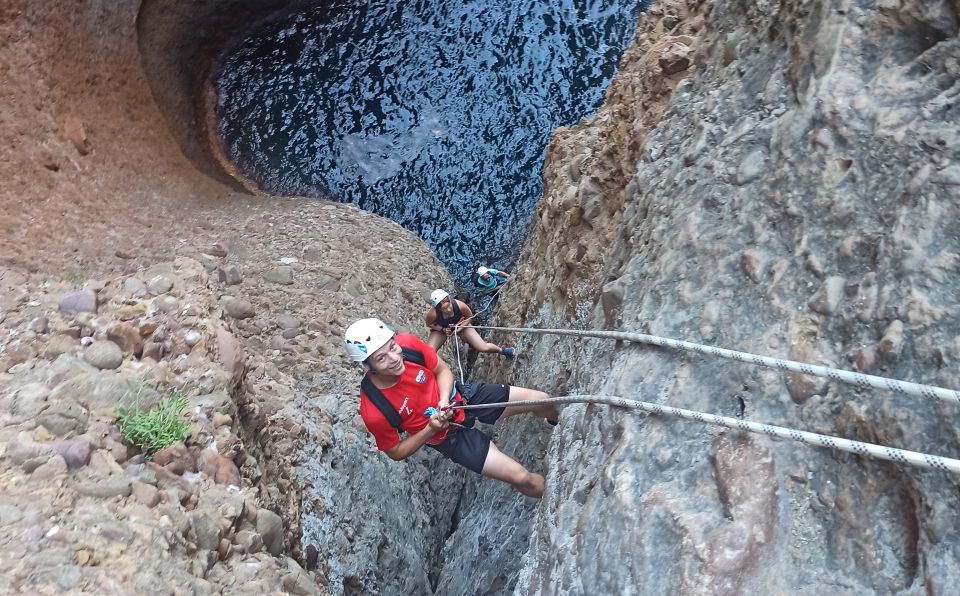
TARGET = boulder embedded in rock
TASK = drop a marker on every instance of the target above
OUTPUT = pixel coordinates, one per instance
(280, 275)
(104, 488)
(64, 418)
(674, 58)
(229, 275)
(270, 527)
(74, 303)
(75, 452)
(105, 355)
(238, 308)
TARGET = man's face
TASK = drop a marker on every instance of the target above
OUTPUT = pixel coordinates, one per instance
(388, 359)
(485, 277)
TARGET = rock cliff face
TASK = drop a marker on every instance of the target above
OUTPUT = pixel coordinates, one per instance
(797, 195)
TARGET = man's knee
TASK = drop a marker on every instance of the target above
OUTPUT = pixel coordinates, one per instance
(529, 483)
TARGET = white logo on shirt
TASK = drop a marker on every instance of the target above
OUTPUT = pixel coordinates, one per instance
(403, 408)
(421, 377)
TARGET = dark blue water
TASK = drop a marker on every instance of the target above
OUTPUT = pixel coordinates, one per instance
(434, 113)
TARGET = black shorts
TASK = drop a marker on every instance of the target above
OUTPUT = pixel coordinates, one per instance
(469, 446)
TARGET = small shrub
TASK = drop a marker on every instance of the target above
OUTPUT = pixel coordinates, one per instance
(73, 275)
(157, 429)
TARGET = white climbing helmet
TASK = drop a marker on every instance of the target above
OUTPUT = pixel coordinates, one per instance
(366, 336)
(437, 296)
(481, 270)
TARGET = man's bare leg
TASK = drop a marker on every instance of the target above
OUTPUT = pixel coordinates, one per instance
(502, 467)
(519, 394)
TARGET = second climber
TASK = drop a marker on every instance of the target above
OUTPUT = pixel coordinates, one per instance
(447, 316)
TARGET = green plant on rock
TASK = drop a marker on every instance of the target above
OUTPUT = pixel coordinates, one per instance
(73, 274)
(162, 426)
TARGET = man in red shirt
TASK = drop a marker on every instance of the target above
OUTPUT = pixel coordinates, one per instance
(392, 367)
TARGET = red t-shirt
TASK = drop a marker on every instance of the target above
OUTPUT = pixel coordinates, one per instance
(415, 392)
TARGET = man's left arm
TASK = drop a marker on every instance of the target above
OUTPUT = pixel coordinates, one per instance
(444, 382)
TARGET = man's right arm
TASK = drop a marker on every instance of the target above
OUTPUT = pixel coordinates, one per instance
(411, 443)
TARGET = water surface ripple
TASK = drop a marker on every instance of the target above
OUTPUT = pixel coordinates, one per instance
(434, 113)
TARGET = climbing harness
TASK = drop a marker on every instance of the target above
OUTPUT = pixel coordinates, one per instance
(901, 456)
(844, 376)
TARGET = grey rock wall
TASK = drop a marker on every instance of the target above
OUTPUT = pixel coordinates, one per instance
(800, 199)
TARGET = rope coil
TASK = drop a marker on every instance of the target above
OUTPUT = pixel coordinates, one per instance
(834, 374)
(882, 452)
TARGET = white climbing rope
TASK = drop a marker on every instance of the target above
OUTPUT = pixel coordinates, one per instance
(854, 378)
(901, 456)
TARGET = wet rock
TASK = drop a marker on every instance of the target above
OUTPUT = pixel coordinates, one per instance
(229, 275)
(75, 452)
(104, 488)
(237, 308)
(78, 302)
(279, 275)
(105, 355)
(270, 527)
(674, 58)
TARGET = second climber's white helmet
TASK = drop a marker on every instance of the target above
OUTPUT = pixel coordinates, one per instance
(482, 270)
(366, 336)
(437, 296)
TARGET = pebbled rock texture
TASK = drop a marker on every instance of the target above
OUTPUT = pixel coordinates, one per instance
(793, 193)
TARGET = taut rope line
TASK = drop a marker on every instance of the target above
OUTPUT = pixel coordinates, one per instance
(901, 456)
(834, 374)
